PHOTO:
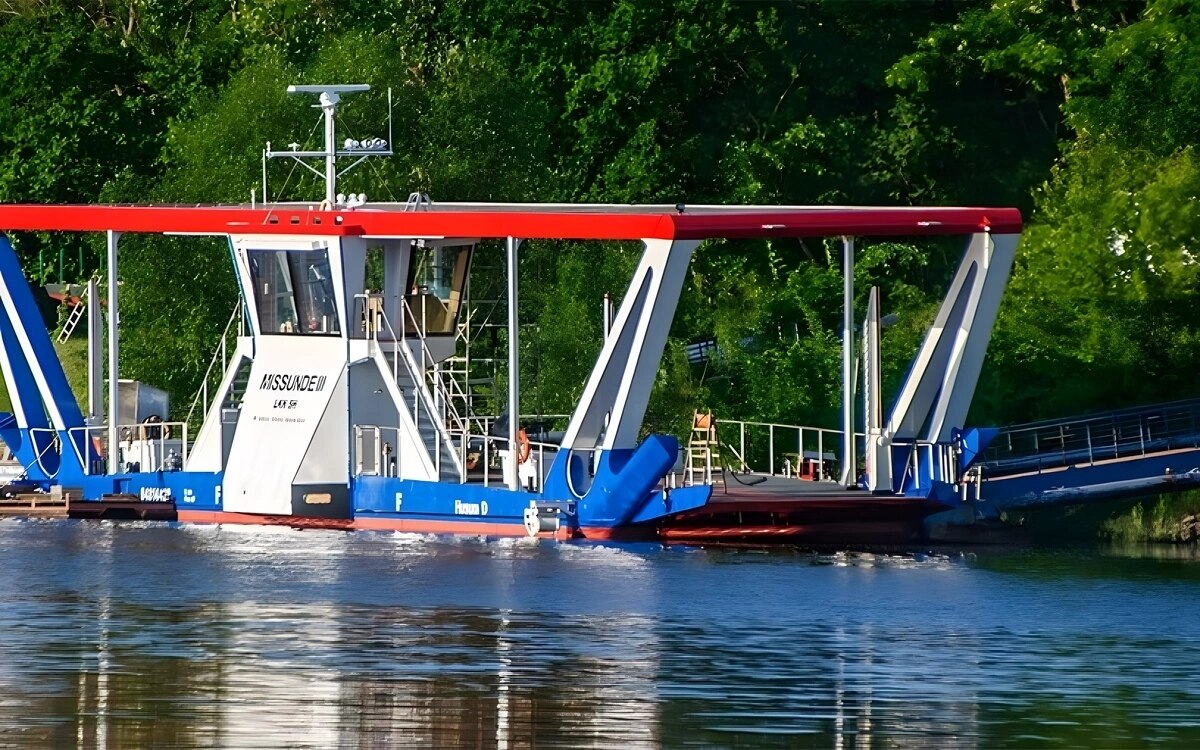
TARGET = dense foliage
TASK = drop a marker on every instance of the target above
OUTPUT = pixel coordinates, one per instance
(1084, 113)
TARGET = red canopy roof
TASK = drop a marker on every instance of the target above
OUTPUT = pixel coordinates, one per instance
(525, 221)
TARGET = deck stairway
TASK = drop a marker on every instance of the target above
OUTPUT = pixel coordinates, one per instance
(443, 452)
(216, 370)
(432, 402)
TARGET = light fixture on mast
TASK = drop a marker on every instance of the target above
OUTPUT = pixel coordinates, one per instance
(328, 99)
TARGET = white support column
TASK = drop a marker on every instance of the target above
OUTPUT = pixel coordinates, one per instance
(938, 392)
(95, 356)
(610, 412)
(114, 322)
(872, 401)
(877, 452)
(514, 373)
(848, 458)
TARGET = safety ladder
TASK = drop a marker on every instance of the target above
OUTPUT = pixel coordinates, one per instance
(72, 320)
(701, 446)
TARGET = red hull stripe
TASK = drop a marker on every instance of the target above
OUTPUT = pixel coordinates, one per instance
(467, 528)
(830, 533)
(381, 524)
(532, 223)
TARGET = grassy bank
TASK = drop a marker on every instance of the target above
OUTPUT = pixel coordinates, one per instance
(73, 355)
(1160, 518)
(1166, 518)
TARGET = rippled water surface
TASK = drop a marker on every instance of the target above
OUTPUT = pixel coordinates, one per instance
(164, 636)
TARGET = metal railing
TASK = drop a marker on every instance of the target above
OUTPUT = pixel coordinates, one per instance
(935, 461)
(778, 449)
(376, 453)
(444, 393)
(1038, 446)
(220, 358)
(375, 319)
(143, 446)
(51, 445)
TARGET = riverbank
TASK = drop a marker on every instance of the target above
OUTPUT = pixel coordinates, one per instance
(1166, 519)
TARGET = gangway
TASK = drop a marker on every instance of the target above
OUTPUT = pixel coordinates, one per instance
(1136, 432)
(1131, 452)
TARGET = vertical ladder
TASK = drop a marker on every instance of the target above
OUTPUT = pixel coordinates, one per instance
(700, 450)
(72, 320)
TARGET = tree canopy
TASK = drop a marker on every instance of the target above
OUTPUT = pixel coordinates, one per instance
(1083, 114)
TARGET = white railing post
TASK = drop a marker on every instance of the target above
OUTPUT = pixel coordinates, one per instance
(821, 453)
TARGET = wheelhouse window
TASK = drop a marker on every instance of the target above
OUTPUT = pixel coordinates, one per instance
(436, 281)
(293, 291)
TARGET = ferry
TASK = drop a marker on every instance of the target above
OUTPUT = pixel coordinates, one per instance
(334, 408)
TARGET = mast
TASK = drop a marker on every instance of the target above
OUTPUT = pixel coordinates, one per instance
(328, 98)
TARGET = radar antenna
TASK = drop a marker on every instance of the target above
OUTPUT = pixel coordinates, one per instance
(328, 98)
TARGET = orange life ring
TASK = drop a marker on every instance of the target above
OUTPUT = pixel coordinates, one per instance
(523, 447)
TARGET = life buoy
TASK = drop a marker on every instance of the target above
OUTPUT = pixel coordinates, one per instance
(523, 447)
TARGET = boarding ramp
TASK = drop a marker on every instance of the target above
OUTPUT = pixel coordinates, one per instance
(1130, 452)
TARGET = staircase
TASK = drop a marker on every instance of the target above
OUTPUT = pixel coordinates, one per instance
(237, 389)
(431, 402)
(443, 452)
(216, 372)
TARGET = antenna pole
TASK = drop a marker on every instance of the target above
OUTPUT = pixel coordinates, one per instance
(329, 102)
(329, 97)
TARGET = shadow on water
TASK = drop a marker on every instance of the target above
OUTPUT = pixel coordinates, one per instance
(146, 635)
(1133, 562)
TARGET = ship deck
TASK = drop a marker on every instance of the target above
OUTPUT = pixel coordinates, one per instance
(759, 508)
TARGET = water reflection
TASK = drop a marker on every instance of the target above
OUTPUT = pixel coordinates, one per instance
(151, 636)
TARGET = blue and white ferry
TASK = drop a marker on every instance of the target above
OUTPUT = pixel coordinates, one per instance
(334, 409)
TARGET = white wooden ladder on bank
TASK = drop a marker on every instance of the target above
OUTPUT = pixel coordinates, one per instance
(77, 311)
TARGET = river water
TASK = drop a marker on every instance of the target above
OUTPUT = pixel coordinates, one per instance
(145, 635)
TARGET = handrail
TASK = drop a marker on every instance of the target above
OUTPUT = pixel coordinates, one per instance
(776, 432)
(220, 354)
(438, 383)
(421, 395)
(1100, 437)
(380, 465)
(38, 458)
(128, 431)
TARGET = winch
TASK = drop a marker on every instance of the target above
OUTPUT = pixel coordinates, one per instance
(546, 517)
